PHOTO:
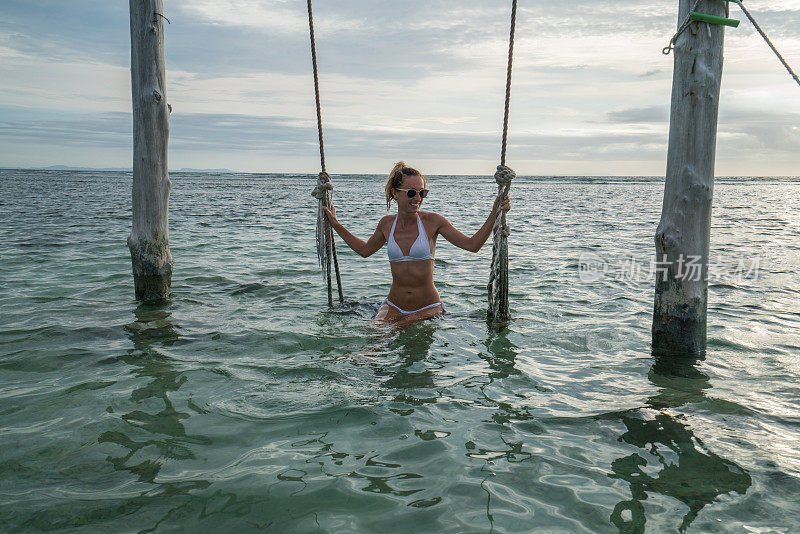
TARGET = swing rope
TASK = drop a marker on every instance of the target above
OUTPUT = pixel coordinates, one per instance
(764, 35)
(497, 288)
(326, 246)
(508, 80)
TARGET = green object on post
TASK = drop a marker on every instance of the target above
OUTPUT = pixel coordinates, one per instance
(711, 19)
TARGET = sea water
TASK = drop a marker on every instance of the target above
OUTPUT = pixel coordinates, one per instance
(246, 405)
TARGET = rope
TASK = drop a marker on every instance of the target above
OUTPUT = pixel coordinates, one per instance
(497, 288)
(326, 246)
(508, 80)
(764, 35)
(316, 87)
(671, 46)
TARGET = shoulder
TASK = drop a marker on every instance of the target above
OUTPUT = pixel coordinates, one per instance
(432, 220)
(430, 216)
(386, 220)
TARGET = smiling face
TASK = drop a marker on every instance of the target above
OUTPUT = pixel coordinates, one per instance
(405, 204)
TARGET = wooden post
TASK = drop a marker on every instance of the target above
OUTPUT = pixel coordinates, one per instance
(682, 237)
(149, 239)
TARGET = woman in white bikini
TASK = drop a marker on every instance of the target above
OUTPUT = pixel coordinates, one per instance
(413, 296)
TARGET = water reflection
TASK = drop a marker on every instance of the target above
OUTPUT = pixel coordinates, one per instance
(153, 436)
(378, 476)
(502, 355)
(679, 381)
(401, 361)
(676, 463)
(413, 346)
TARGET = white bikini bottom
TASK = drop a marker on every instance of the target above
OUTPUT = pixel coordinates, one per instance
(405, 312)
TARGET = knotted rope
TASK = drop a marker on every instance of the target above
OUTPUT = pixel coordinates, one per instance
(497, 288)
(498, 277)
(326, 247)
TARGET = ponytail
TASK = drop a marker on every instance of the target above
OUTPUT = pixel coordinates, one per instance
(395, 179)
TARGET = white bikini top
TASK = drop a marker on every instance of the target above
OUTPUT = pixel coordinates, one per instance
(420, 249)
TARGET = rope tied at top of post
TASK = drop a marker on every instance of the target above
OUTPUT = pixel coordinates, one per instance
(671, 46)
(682, 28)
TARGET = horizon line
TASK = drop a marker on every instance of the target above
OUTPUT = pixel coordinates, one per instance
(341, 174)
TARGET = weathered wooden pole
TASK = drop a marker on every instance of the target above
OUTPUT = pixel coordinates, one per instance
(682, 237)
(149, 239)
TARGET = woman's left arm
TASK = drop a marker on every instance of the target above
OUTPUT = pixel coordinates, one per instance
(474, 243)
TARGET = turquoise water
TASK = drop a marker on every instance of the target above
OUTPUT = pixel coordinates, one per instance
(244, 405)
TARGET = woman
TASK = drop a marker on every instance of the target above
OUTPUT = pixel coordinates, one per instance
(411, 237)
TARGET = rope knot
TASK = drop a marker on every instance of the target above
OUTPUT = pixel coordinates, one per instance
(504, 175)
(323, 185)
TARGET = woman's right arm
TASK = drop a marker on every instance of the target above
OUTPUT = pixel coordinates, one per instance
(363, 249)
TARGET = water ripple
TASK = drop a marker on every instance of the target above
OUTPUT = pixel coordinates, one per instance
(245, 404)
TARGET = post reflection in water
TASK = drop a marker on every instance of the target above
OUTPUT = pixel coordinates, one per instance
(502, 355)
(152, 437)
(687, 470)
(501, 358)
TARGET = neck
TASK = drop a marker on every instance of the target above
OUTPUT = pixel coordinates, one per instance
(406, 217)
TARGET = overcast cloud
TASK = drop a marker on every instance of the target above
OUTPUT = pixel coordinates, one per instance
(420, 81)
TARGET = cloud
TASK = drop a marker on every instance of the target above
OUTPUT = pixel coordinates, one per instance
(423, 78)
(274, 16)
(762, 133)
(651, 114)
(287, 136)
(650, 73)
(102, 130)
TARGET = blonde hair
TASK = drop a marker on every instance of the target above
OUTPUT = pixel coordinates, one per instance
(395, 179)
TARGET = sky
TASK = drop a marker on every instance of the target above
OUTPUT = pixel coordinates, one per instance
(421, 81)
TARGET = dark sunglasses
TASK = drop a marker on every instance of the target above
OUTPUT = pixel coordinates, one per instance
(413, 192)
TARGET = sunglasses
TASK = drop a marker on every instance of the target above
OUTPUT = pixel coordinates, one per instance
(413, 192)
